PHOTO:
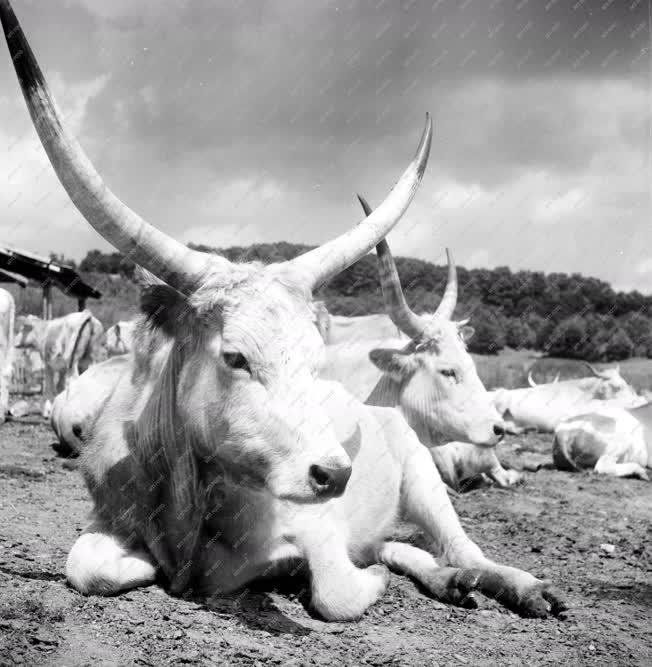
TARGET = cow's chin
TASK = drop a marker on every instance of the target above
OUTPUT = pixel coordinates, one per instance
(301, 493)
(484, 437)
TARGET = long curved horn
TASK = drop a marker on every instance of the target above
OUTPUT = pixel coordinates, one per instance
(449, 300)
(530, 380)
(408, 322)
(318, 266)
(171, 261)
(404, 318)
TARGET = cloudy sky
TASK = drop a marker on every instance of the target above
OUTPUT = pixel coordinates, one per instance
(231, 122)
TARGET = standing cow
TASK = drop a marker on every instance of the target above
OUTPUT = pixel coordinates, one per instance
(68, 345)
(7, 316)
(119, 338)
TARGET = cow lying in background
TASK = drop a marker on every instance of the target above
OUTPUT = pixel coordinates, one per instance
(119, 338)
(611, 440)
(68, 346)
(543, 406)
(428, 375)
(7, 315)
(75, 409)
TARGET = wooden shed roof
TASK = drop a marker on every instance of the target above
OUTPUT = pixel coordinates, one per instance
(15, 262)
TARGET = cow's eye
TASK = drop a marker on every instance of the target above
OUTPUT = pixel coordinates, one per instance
(236, 361)
(449, 373)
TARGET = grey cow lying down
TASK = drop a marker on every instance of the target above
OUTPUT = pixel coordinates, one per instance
(219, 456)
(345, 540)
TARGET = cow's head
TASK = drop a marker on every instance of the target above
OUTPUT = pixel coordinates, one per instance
(440, 391)
(612, 386)
(28, 331)
(241, 377)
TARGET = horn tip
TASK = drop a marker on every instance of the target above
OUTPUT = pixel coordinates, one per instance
(424, 147)
(365, 204)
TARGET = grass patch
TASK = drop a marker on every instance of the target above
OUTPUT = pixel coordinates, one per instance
(510, 368)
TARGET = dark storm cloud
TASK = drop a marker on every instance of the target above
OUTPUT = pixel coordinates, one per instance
(203, 107)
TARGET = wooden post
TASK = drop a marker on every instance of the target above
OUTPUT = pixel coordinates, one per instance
(81, 303)
(47, 302)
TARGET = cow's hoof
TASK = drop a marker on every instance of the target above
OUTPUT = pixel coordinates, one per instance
(454, 585)
(514, 477)
(540, 601)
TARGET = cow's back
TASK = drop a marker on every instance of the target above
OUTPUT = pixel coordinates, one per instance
(363, 328)
(544, 406)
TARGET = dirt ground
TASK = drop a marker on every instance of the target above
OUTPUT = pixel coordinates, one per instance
(553, 526)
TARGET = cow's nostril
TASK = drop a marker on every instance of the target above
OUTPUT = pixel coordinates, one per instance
(320, 475)
(499, 430)
(327, 481)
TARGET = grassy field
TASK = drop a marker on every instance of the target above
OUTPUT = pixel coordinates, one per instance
(510, 368)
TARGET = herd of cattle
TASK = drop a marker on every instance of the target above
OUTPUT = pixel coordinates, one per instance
(236, 430)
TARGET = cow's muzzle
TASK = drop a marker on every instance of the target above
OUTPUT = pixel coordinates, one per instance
(329, 482)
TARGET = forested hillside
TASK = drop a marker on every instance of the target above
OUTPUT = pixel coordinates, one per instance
(565, 315)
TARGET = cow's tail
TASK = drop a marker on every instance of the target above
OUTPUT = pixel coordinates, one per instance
(80, 332)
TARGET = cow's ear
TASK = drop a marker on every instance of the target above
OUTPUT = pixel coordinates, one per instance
(393, 362)
(466, 333)
(166, 309)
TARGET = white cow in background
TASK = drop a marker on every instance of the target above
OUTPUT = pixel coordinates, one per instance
(610, 440)
(7, 317)
(543, 406)
(68, 345)
(119, 338)
(428, 375)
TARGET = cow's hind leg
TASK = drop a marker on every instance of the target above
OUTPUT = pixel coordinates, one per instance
(607, 466)
(100, 563)
(426, 503)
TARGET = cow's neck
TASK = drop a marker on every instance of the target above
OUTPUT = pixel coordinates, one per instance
(387, 394)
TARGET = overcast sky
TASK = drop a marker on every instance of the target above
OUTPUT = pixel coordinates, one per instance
(236, 122)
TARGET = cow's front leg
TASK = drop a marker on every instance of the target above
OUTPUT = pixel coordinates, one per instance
(608, 466)
(340, 591)
(101, 563)
(425, 502)
(500, 476)
(48, 391)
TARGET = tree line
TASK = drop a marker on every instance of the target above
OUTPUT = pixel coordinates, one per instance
(564, 315)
